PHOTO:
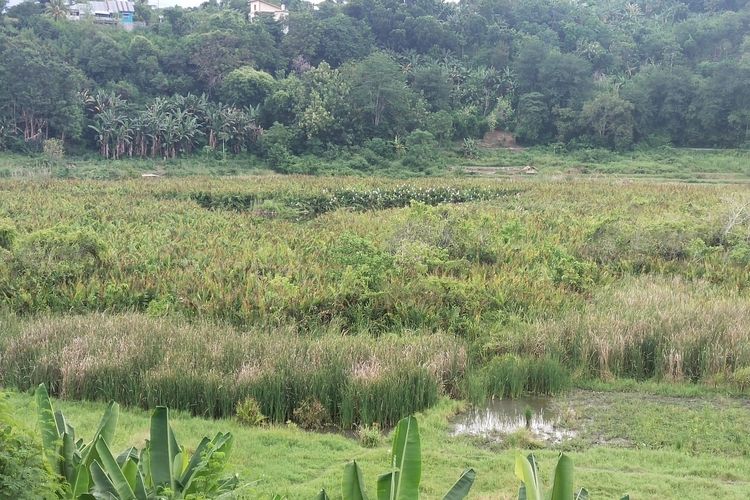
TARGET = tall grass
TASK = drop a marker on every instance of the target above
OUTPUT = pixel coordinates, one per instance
(664, 328)
(511, 376)
(206, 369)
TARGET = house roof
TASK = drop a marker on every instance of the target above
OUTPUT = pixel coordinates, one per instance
(275, 6)
(107, 6)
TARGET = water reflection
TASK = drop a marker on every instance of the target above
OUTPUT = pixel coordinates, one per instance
(504, 416)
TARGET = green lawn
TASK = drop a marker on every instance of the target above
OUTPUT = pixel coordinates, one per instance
(628, 442)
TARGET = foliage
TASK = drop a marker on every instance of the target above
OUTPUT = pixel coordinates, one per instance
(53, 149)
(369, 435)
(163, 469)
(23, 471)
(311, 414)
(527, 472)
(511, 376)
(351, 380)
(249, 413)
(340, 76)
(402, 481)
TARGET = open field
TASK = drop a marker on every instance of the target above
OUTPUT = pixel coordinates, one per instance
(653, 164)
(377, 298)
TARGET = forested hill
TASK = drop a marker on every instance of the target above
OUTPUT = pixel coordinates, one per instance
(369, 72)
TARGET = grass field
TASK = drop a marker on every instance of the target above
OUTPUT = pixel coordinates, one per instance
(376, 297)
(646, 445)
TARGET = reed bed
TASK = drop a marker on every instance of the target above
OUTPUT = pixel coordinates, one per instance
(206, 369)
(643, 328)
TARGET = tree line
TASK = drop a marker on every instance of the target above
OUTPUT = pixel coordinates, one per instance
(373, 73)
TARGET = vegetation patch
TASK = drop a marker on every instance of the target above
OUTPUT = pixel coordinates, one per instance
(207, 370)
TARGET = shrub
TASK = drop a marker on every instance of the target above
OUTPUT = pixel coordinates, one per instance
(7, 233)
(54, 149)
(369, 435)
(741, 378)
(60, 254)
(249, 413)
(311, 415)
(421, 151)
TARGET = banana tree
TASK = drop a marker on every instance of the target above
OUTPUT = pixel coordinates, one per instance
(169, 470)
(69, 457)
(527, 471)
(162, 470)
(402, 481)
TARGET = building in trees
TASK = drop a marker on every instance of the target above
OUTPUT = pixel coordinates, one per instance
(257, 7)
(115, 12)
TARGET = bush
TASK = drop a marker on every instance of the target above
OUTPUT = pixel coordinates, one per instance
(54, 149)
(369, 435)
(7, 233)
(311, 415)
(421, 151)
(741, 378)
(60, 254)
(249, 413)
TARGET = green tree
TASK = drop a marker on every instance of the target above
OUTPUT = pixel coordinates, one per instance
(532, 118)
(609, 120)
(389, 106)
(246, 86)
(39, 89)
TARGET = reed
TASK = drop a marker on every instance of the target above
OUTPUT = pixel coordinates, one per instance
(207, 370)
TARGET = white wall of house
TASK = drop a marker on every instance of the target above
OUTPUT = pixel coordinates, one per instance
(261, 7)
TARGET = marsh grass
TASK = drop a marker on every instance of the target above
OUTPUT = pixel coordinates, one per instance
(663, 328)
(511, 376)
(207, 370)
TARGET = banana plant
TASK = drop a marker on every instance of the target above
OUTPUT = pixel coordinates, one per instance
(402, 481)
(527, 471)
(70, 458)
(164, 469)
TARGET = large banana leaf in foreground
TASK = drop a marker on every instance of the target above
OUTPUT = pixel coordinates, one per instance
(402, 482)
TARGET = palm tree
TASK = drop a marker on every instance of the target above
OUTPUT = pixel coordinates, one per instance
(56, 9)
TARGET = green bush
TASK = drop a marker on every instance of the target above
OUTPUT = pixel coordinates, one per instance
(249, 413)
(8, 233)
(54, 149)
(369, 435)
(311, 415)
(60, 254)
(741, 378)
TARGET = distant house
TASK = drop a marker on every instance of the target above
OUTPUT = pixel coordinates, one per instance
(115, 12)
(279, 12)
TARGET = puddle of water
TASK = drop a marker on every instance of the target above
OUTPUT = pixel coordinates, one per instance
(504, 416)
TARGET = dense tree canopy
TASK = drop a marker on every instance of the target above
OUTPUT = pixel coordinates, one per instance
(610, 74)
